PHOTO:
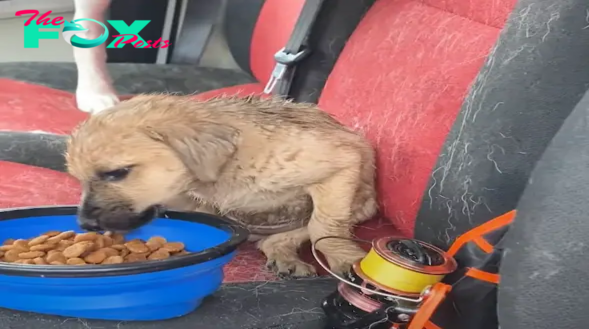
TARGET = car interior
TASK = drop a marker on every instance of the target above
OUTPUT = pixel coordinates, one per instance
(476, 110)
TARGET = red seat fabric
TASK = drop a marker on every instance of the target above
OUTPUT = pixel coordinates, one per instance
(32, 108)
(493, 12)
(27, 107)
(26, 186)
(401, 81)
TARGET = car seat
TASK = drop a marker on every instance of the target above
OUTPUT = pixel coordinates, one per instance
(439, 89)
(544, 272)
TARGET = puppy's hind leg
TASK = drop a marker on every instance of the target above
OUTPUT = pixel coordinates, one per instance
(282, 252)
(94, 92)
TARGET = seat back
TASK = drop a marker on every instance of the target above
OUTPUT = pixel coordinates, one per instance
(273, 28)
(257, 29)
(460, 110)
(401, 81)
(530, 83)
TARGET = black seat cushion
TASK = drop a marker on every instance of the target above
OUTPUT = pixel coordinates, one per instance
(130, 78)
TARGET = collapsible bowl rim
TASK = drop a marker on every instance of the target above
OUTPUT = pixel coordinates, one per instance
(238, 235)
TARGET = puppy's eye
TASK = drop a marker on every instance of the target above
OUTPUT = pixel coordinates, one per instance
(115, 175)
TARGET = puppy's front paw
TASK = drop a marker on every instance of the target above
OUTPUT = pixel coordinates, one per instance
(294, 268)
(93, 101)
(342, 261)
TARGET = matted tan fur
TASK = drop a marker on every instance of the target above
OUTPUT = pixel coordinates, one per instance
(258, 161)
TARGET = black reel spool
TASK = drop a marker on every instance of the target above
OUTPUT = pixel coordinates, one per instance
(414, 252)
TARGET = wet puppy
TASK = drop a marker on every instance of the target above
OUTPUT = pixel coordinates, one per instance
(259, 162)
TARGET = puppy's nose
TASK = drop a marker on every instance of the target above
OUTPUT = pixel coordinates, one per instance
(91, 226)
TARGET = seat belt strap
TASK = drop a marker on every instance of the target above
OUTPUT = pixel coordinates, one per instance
(288, 57)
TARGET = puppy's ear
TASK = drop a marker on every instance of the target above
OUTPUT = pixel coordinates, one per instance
(204, 148)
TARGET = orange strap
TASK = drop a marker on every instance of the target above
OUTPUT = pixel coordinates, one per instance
(431, 325)
(476, 234)
(483, 244)
(483, 276)
(421, 319)
(431, 302)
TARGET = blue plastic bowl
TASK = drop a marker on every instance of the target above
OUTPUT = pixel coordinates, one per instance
(153, 290)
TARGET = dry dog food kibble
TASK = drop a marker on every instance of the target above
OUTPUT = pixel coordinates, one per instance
(69, 248)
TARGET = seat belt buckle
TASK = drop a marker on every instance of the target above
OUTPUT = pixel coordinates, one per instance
(283, 61)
